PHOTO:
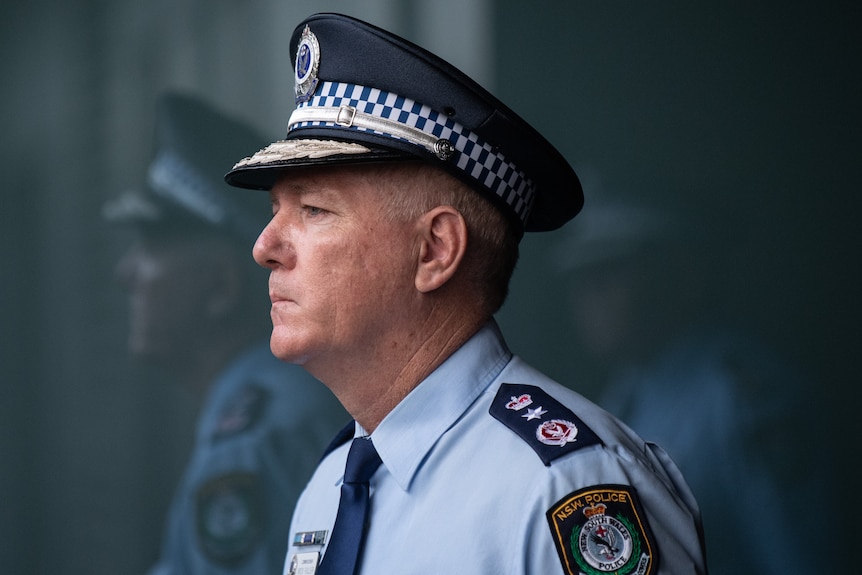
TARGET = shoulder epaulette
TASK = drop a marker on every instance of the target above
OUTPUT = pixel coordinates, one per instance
(549, 427)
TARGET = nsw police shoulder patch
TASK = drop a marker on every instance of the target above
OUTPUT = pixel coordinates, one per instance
(549, 427)
(603, 529)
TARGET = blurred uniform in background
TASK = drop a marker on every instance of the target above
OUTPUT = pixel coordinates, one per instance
(198, 309)
(737, 419)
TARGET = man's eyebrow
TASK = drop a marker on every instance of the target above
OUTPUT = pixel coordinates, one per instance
(291, 188)
(302, 190)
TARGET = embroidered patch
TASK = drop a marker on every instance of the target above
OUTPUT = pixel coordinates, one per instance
(242, 411)
(557, 432)
(549, 427)
(229, 514)
(602, 529)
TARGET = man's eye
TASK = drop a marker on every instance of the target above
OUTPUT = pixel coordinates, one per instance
(314, 210)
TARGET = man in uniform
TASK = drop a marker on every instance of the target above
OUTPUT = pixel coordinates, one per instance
(399, 197)
(197, 312)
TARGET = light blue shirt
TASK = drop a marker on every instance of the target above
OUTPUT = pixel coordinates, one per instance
(461, 492)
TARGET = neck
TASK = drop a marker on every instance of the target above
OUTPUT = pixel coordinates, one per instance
(369, 395)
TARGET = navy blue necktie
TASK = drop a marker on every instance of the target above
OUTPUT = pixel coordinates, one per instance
(345, 545)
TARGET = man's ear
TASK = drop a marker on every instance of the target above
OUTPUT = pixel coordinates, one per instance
(443, 242)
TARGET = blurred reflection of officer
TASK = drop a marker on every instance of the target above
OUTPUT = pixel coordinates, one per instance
(736, 418)
(198, 308)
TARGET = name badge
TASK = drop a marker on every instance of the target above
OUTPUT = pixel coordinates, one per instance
(304, 563)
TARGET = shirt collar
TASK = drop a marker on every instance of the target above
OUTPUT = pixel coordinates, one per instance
(408, 432)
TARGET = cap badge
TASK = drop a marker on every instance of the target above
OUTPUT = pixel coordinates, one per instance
(307, 62)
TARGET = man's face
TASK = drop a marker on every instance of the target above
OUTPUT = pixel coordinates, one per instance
(167, 293)
(341, 274)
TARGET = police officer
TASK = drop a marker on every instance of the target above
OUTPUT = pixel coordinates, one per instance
(399, 196)
(197, 312)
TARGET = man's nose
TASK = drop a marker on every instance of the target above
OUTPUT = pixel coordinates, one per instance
(273, 247)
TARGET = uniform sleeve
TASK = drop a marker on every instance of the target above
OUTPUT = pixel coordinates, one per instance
(259, 456)
(603, 501)
(614, 510)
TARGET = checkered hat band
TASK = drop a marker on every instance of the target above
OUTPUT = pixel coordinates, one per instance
(476, 157)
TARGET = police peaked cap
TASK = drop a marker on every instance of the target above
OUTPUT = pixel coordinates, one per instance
(364, 94)
(194, 144)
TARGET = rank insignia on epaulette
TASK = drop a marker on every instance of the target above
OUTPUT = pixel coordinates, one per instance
(549, 427)
(602, 529)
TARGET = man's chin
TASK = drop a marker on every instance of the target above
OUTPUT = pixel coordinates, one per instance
(287, 353)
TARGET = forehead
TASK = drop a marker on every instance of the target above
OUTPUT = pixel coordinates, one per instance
(347, 183)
